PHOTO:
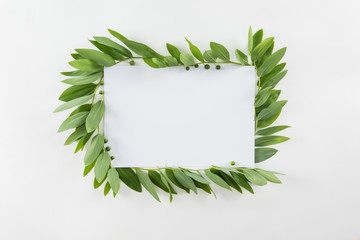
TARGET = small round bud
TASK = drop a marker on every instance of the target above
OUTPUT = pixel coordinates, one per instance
(102, 83)
(106, 140)
(207, 66)
(132, 63)
(218, 67)
(196, 65)
(101, 92)
(108, 148)
(112, 157)
(187, 68)
(232, 163)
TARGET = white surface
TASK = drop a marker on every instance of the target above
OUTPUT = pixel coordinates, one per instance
(172, 117)
(43, 193)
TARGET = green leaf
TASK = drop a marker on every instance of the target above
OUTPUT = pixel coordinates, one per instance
(100, 58)
(110, 43)
(73, 103)
(187, 59)
(254, 177)
(170, 174)
(97, 184)
(261, 49)
(197, 177)
(77, 91)
(141, 49)
(271, 62)
(74, 121)
(257, 38)
(241, 57)
(195, 51)
(274, 80)
(171, 61)
(76, 73)
(267, 122)
(160, 63)
(250, 41)
(107, 189)
(95, 116)
(155, 177)
(129, 177)
(77, 56)
(220, 51)
(83, 141)
(114, 53)
(242, 181)
(167, 184)
(87, 169)
(146, 182)
(269, 140)
(216, 179)
(101, 166)
(271, 130)
(78, 133)
(97, 144)
(210, 56)
(262, 97)
(268, 176)
(229, 180)
(205, 187)
(113, 179)
(173, 51)
(83, 80)
(262, 154)
(150, 62)
(271, 110)
(184, 180)
(86, 65)
(116, 34)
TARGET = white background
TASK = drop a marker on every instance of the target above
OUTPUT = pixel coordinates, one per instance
(43, 193)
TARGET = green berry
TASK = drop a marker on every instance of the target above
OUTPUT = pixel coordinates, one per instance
(102, 83)
(132, 63)
(108, 148)
(196, 65)
(101, 92)
(218, 67)
(106, 140)
(187, 68)
(207, 66)
(232, 163)
(112, 157)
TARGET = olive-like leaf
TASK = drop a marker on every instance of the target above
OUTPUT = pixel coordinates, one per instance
(78, 133)
(197, 177)
(76, 73)
(97, 183)
(229, 180)
(77, 91)
(268, 176)
(171, 61)
(73, 103)
(86, 65)
(170, 174)
(167, 184)
(150, 62)
(185, 180)
(83, 80)
(242, 181)
(110, 43)
(101, 166)
(141, 49)
(74, 121)
(209, 56)
(250, 41)
(187, 59)
(195, 51)
(173, 51)
(155, 177)
(254, 177)
(271, 62)
(100, 58)
(146, 182)
(88, 168)
(271, 130)
(267, 122)
(220, 51)
(114, 180)
(269, 140)
(114, 53)
(216, 179)
(241, 57)
(261, 49)
(96, 114)
(257, 38)
(271, 110)
(107, 189)
(83, 141)
(97, 144)
(262, 96)
(274, 80)
(262, 154)
(129, 177)
(159, 62)
(116, 34)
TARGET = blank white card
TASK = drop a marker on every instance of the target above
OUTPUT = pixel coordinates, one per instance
(172, 117)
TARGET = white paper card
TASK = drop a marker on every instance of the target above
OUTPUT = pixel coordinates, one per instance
(172, 117)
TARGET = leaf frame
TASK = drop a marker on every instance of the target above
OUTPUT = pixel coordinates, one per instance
(85, 93)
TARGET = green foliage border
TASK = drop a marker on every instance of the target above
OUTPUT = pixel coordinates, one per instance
(86, 95)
